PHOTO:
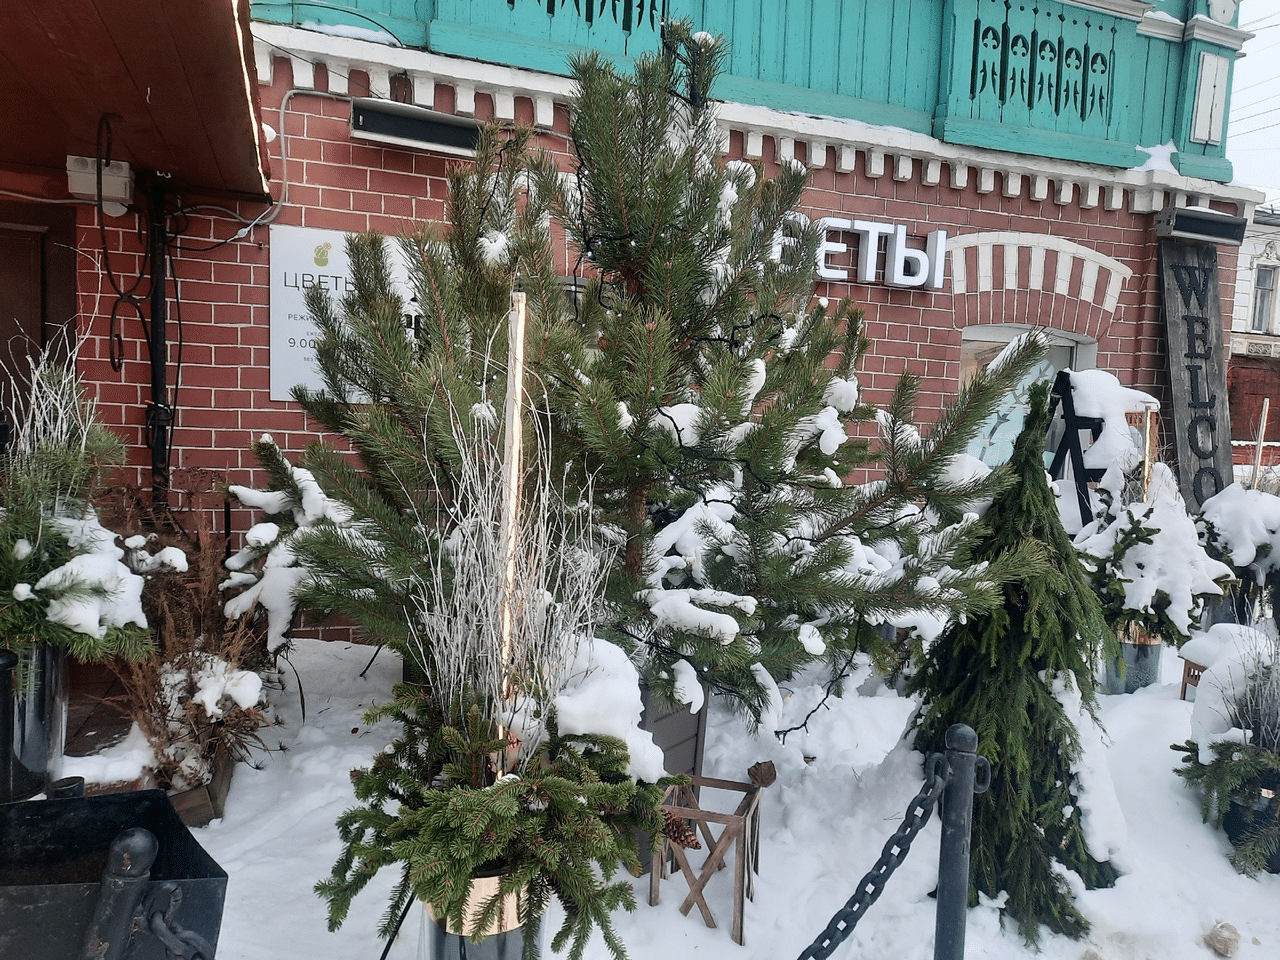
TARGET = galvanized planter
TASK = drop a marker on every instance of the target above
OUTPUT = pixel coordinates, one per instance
(55, 899)
(1141, 667)
(36, 701)
(504, 942)
(682, 737)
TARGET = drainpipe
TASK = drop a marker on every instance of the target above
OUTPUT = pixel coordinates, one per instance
(159, 413)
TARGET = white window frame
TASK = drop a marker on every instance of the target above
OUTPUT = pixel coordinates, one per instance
(1084, 350)
(1262, 316)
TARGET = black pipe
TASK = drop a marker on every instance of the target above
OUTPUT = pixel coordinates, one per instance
(953, 854)
(8, 661)
(159, 414)
(129, 861)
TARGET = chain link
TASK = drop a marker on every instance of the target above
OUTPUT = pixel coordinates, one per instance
(938, 772)
(179, 943)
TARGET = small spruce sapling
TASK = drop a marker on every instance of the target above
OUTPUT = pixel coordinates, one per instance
(999, 672)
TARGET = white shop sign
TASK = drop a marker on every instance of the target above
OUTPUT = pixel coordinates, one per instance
(302, 258)
(904, 265)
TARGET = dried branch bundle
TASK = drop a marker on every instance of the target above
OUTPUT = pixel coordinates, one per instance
(547, 572)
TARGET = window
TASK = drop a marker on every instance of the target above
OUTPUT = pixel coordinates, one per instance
(993, 444)
(1264, 296)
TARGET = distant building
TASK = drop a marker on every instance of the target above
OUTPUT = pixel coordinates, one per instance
(1253, 372)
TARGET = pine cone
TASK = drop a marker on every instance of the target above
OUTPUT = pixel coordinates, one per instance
(679, 832)
(762, 774)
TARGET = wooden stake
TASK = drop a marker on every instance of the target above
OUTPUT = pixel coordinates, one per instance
(1148, 413)
(1257, 450)
(511, 467)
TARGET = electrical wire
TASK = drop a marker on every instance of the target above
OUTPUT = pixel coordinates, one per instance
(36, 199)
(125, 298)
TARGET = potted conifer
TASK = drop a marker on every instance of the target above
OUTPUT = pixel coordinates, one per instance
(64, 585)
(1234, 756)
(507, 785)
(1150, 572)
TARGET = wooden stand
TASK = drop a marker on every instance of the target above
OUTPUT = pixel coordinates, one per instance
(741, 830)
(199, 805)
(1191, 672)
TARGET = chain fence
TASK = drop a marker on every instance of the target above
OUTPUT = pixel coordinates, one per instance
(891, 856)
(961, 774)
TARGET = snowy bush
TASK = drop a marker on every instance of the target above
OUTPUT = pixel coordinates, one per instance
(1243, 527)
(265, 572)
(61, 569)
(1145, 558)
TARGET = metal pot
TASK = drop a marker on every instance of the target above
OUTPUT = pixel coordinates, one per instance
(38, 706)
(444, 942)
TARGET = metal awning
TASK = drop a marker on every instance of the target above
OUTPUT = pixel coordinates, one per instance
(175, 79)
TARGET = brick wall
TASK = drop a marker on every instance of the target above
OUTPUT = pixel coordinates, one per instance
(337, 183)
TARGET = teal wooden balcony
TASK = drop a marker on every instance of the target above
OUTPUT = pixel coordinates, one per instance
(1090, 80)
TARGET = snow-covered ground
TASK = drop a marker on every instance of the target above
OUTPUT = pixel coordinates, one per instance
(824, 824)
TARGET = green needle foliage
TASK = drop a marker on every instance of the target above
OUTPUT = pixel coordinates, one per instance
(997, 672)
(1242, 780)
(691, 380)
(430, 804)
(51, 468)
(1246, 775)
(716, 404)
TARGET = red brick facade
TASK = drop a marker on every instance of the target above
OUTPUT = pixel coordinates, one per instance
(335, 182)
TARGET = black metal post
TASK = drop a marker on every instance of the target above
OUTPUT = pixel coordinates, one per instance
(970, 774)
(8, 661)
(129, 861)
(159, 413)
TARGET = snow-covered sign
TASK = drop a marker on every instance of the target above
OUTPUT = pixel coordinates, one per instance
(302, 258)
(1197, 369)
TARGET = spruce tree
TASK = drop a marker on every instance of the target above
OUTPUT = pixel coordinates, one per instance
(692, 377)
(998, 672)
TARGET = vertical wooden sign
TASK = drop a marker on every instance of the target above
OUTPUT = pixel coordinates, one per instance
(1197, 369)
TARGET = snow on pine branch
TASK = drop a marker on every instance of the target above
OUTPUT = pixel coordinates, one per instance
(266, 571)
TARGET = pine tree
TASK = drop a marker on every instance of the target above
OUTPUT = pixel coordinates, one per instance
(397, 371)
(998, 672)
(714, 402)
(712, 405)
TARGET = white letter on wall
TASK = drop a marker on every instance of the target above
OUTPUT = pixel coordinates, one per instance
(936, 249)
(827, 224)
(897, 258)
(869, 233)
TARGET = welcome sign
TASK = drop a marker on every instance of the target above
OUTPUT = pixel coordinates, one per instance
(1197, 369)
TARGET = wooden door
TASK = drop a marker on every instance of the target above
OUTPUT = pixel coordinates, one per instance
(37, 292)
